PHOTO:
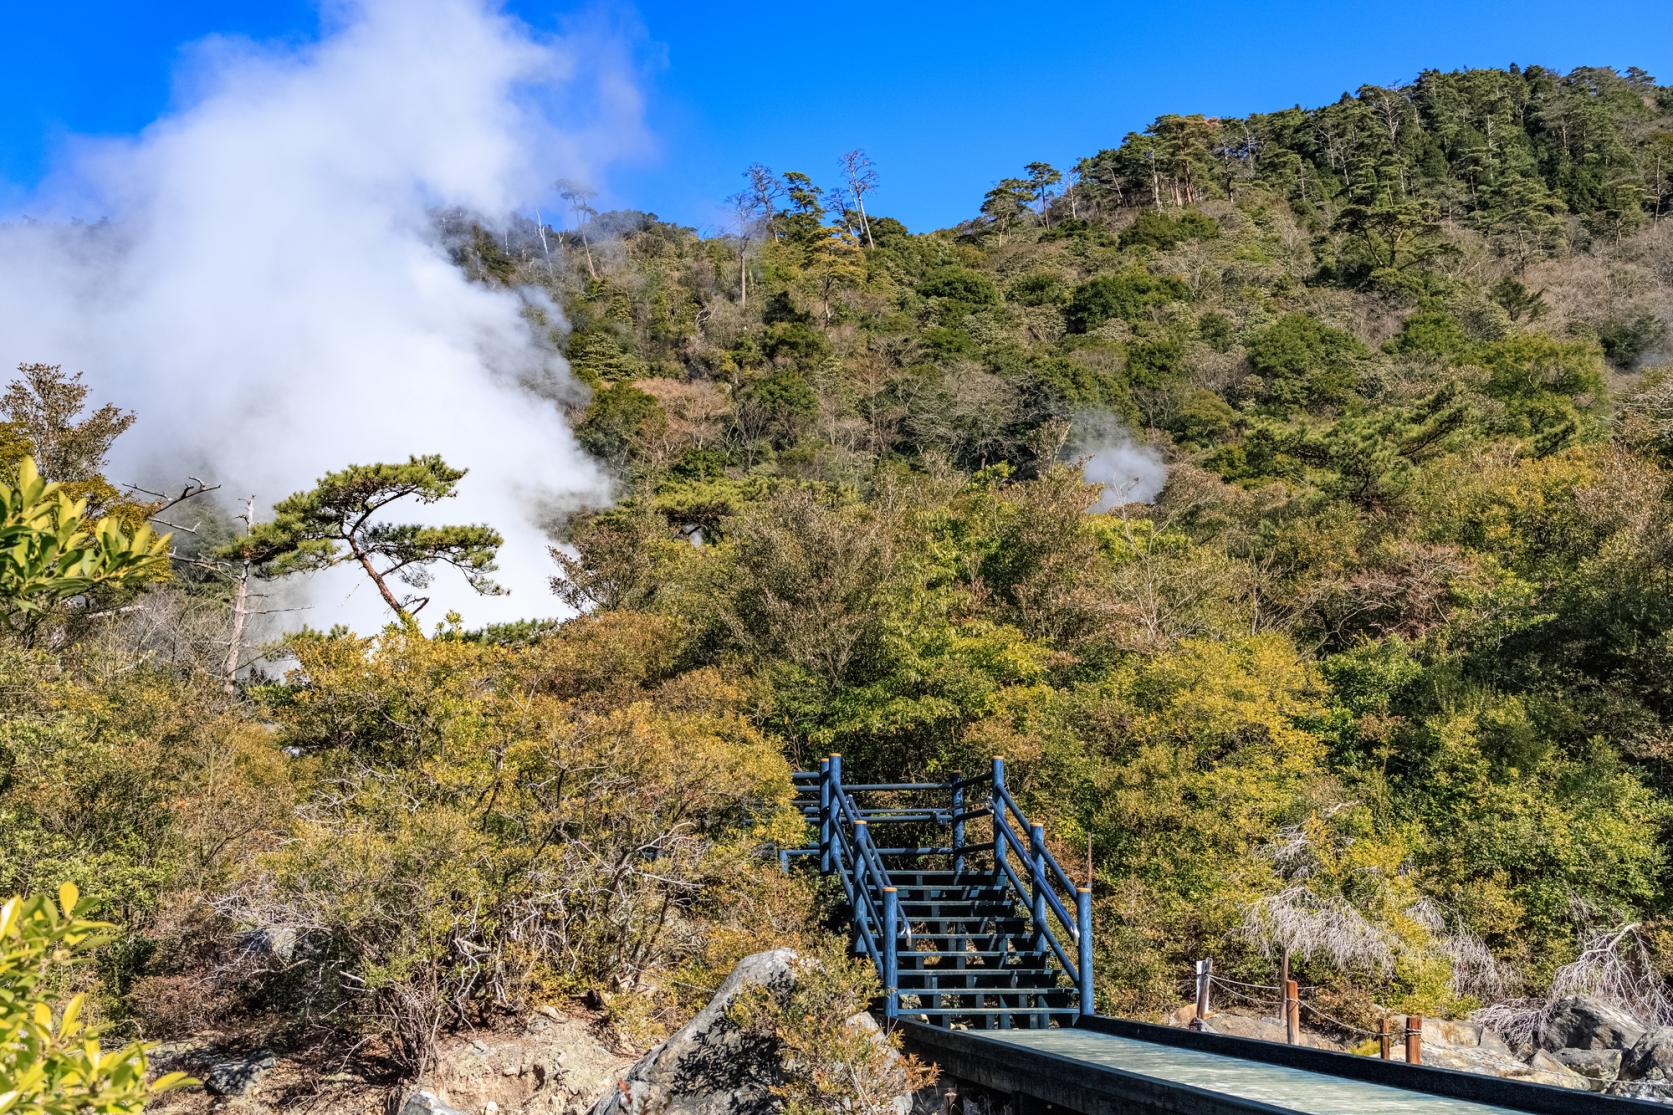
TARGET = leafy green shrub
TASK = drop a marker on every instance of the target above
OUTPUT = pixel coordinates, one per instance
(1126, 295)
(1305, 363)
(1434, 334)
(969, 289)
(51, 1062)
(1627, 338)
(1041, 288)
(1152, 229)
(620, 424)
(48, 553)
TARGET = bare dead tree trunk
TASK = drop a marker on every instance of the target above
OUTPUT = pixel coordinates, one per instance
(862, 178)
(545, 248)
(587, 250)
(240, 612)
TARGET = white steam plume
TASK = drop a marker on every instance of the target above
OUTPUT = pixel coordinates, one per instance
(268, 291)
(1130, 471)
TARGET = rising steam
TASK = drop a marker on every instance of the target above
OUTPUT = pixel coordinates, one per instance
(259, 278)
(1130, 471)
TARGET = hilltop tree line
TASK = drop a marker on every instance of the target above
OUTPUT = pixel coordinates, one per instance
(1392, 645)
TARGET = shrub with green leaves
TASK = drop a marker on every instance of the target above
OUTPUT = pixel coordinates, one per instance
(51, 1062)
(48, 552)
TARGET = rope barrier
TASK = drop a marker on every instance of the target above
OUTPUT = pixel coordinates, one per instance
(1240, 983)
(1231, 989)
(1338, 1023)
(1250, 999)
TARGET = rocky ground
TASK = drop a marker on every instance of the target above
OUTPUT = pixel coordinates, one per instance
(550, 1064)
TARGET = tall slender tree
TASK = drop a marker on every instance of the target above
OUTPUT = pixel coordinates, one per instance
(861, 175)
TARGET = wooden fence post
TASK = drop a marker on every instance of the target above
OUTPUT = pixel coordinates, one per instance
(1414, 1039)
(1384, 1040)
(1292, 1012)
(1205, 973)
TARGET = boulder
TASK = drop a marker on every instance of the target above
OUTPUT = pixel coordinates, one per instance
(1651, 1057)
(1582, 1022)
(1262, 1028)
(1601, 1066)
(1644, 1090)
(426, 1102)
(232, 1074)
(1489, 1039)
(710, 1067)
(1443, 1031)
(552, 1065)
(1546, 1069)
(1467, 1058)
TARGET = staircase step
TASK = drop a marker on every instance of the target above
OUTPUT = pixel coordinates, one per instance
(992, 1010)
(945, 955)
(952, 971)
(1002, 989)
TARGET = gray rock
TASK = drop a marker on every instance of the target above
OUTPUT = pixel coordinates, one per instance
(1546, 1069)
(425, 1102)
(1582, 1022)
(709, 1067)
(233, 1074)
(1651, 1057)
(1644, 1090)
(272, 942)
(1601, 1066)
(1493, 1043)
(1474, 1058)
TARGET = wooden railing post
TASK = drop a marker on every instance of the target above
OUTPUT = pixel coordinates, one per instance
(958, 825)
(998, 818)
(1083, 929)
(1384, 1038)
(1205, 976)
(1037, 886)
(825, 815)
(1414, 1039)
(891, 959)
(1292, 1012)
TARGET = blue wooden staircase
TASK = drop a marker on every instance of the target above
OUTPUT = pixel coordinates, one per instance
(989, 933)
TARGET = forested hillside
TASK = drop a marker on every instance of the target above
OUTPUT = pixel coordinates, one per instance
(1392, 644)
(1379, 679)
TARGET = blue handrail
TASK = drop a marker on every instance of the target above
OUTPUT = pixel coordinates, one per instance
(1022, 865)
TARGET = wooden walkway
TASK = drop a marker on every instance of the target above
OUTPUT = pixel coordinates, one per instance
(1286, 1089)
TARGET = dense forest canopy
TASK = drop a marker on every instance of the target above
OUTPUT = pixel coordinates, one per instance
(1391, 647)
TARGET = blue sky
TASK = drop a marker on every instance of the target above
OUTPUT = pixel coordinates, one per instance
(947, 98)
